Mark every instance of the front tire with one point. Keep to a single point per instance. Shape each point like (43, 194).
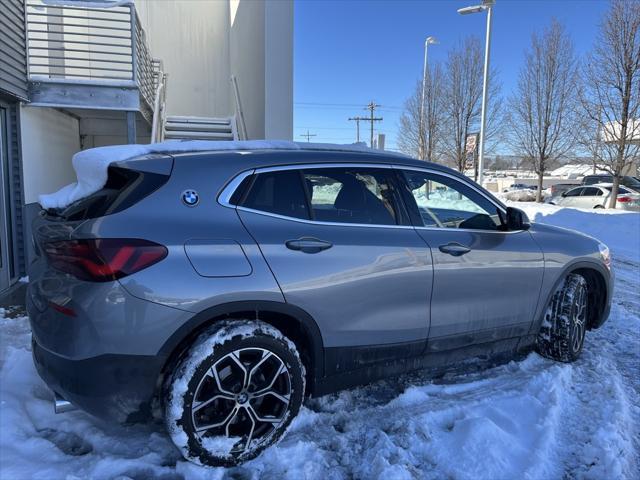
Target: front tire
(234, 393)
(563, 329)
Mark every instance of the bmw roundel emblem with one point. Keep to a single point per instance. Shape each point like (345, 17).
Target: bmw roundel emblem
(190, 198)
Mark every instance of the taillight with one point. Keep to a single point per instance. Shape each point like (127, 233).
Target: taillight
(624, 199)
(104, 259)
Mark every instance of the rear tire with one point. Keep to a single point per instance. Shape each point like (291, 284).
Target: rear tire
(234, 393)
(563, 329)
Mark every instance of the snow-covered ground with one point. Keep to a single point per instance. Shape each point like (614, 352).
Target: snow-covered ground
(532, 419)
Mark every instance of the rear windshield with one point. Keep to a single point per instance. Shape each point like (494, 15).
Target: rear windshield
(124, 188)
(620, 190)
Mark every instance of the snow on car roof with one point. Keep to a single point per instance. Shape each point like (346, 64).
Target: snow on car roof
(91, 165)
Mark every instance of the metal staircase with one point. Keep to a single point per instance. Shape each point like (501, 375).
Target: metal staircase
(200, 128)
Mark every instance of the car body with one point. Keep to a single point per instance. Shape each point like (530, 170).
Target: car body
(519, 186)
(598, 196)
(367, 261)
(628, 181)
(557, 189)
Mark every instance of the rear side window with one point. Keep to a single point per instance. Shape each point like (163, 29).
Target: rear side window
(353, 195)
(279, 192)
(124, 188)
(591, 192)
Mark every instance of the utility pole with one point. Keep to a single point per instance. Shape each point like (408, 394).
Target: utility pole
(308, 135)
(372, 107)
(421, 136)
(357, 120)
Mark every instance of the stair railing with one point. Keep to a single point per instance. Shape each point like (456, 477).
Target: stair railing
(239, 116)
(159, 109)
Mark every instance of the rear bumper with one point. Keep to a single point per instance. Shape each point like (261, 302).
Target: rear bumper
(116, 388)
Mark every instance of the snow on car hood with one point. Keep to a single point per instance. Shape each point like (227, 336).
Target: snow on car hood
(91, 165)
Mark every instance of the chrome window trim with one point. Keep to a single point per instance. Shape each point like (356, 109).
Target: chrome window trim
(227, 192)
(318, 222)
(229, 189)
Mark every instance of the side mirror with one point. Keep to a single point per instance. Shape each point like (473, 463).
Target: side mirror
(563, 194)
(517, 219)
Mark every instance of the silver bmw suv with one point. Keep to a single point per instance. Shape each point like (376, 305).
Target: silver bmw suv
(219, 289)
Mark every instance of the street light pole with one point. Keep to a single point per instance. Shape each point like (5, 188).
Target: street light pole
(488, 6)
(421, 135)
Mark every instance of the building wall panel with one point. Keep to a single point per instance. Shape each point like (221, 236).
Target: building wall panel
(13, 59)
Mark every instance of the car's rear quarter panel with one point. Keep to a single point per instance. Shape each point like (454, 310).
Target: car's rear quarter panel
(164, 218)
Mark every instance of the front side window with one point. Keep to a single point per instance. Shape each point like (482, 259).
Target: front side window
(574, 192)
(448, 203)
(352, 195)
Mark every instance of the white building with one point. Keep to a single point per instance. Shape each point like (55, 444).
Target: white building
(74, 77)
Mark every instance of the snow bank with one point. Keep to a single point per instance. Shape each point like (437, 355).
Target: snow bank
(521, 195)
(91, 165)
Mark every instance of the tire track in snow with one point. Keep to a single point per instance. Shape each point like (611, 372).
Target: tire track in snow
(599, 426)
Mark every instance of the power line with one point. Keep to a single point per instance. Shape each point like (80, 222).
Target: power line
(308, 135)
(341, 105)
(323, 128)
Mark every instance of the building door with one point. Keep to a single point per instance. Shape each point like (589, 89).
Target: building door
(6, 255)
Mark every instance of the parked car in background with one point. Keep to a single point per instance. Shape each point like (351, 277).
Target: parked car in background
(559, 188)
(628, 181)
(598, 196)
(518, 186)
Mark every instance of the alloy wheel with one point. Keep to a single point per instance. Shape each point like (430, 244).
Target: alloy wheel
(244, 396)
(579, 319)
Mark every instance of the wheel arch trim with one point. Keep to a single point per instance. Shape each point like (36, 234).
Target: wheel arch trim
(174, 346)
(570, 268)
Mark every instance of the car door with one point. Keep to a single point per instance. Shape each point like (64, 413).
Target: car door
(572, 197)
(486, 280)
(341, 247)
(590, 197)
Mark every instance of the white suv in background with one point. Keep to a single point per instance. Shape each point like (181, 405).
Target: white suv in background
(597, 196)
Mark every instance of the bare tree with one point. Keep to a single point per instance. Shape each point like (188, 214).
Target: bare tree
(610, 100)
(422, 138)
(462, 100)
(542, 109)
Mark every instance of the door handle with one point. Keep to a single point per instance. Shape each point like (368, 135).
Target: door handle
(308, 245)
(454, 249)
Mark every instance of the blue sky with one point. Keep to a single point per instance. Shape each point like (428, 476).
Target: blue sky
(347, 53)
